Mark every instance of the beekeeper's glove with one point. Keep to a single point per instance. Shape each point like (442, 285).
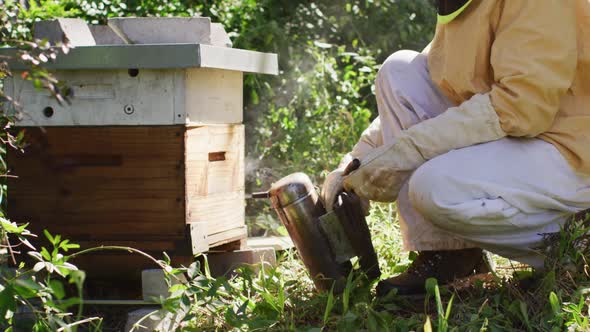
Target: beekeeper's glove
(333, 185)
(384, 170)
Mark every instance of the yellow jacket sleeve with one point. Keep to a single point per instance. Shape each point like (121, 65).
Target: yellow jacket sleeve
(534, 57)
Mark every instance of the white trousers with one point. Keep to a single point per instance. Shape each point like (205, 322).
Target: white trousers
(501, 196)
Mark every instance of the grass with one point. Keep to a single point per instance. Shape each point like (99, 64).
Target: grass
(282, 298)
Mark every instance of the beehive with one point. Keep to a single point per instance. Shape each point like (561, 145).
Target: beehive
(150, 154)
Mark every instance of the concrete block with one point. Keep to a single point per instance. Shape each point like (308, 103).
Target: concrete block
(223, 263)
(149, 324)
(278, 243)
(75, 30)
(154, 285)
(219, 37)
(104, 35)
(160, 30)
(199, 237)
(154, 320)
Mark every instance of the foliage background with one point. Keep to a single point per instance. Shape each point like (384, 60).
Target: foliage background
(304, 120)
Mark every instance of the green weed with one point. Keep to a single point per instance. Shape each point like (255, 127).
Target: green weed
(282, 298)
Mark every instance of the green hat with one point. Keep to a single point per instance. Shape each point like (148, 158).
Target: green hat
(448, 10)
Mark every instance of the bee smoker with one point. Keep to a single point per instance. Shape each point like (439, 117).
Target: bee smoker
(325, 241)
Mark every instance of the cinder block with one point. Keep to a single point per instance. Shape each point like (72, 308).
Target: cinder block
(75, 30)
(219, 37)
(149, 324)
(158, 320)
(278, 243)
(222, 263)
(153, 284)
(104, 35)
(158, 30)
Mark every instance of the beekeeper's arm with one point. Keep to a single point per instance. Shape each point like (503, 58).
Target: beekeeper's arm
(370, 139)
(333, 185)
(534, 61)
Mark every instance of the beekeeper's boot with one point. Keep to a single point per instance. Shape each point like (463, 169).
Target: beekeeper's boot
(444, 265)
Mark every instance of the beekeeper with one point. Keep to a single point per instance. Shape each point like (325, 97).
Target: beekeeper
(483, 138)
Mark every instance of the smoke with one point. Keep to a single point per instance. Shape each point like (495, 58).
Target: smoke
(260, 174)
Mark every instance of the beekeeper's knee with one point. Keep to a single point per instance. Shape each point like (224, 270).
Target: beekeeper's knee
(431, 193)
(391, 75)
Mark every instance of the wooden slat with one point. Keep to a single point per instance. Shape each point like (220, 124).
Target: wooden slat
(101, 183)
(215, 186)
(156, 246)
(278, 243)
(220, 211)
(227, 236)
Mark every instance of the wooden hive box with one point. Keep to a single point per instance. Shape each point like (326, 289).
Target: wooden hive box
(150, 154)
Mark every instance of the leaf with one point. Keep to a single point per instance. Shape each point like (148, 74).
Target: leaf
(346, 293)
(45, 254)
(27, 243)
(448, 313)
(48, 236)
(9, 226)
(427, 325)
(524, 312)
(322, 45)
(282, 230)
(430, 285)
(555, 304)
(7, 302)
(77, 277)
(193, 270)
(39, 266)
(329, 305)
(372, 322)
(70, 302)
(254, 97)
(27, 288)
(177, 288)
(57, 289)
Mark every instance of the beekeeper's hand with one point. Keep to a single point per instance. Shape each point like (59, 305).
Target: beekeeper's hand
(334, 184)
(383, 171)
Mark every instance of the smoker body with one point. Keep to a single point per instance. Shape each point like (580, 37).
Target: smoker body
(299, 207)
(325, 241)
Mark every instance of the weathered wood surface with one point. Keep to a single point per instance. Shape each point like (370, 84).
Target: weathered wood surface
(215, 188)
(101, 183)
(140, 187)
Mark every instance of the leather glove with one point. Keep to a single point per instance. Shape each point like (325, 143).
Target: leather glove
(370, 139)
(334, 184)
(383, 171)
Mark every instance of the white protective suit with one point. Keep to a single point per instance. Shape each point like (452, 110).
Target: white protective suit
(502, 195)
(483, 139)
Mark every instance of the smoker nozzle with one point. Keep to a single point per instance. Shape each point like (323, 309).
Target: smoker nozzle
(258, 195)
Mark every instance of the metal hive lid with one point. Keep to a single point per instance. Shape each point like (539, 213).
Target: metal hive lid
(146, 43)
(157, 56)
